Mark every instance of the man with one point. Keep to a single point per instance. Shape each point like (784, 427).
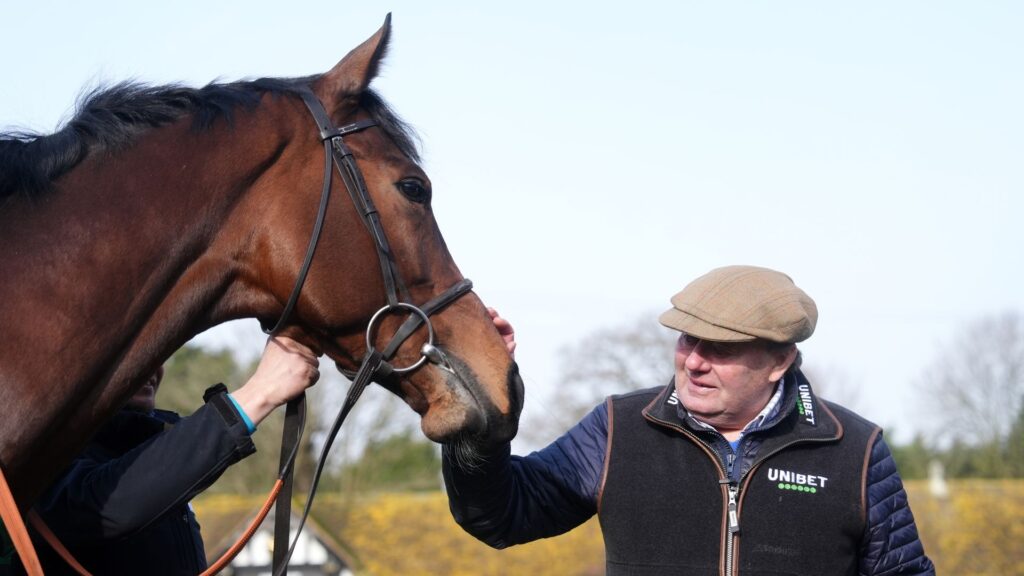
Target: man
(736, 467)
(122, 506)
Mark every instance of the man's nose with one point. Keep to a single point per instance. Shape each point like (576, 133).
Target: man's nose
(696, 360)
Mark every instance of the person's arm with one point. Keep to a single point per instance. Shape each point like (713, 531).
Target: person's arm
(891, 544)
(506, 500)
(286, 369)
(100, 498)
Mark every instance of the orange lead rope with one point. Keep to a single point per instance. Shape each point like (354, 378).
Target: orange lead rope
(253, 526)
(54, 542)
(16, 529)
(15, 525)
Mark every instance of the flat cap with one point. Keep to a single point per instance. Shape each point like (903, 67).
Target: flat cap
(743, 303)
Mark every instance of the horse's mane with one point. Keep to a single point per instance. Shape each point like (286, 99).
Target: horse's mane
(110, 118)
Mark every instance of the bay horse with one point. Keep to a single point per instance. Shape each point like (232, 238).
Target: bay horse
(158, 212)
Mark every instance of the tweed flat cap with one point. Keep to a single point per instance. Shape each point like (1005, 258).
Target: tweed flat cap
(743, 303)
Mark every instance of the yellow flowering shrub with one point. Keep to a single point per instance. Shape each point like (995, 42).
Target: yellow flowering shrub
(977, 530)
(408, 533)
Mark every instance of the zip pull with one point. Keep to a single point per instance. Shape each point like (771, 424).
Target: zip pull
(734, 518)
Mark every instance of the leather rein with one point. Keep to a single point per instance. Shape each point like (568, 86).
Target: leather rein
(374, 365)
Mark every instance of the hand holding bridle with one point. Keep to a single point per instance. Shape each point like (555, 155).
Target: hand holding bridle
(286, 369)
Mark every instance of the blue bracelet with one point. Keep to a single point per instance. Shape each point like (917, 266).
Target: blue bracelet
(245, 417)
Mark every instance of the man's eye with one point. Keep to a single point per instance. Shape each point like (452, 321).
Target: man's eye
(414, 190)
(716, 349)
(688, 342)
(721, 349)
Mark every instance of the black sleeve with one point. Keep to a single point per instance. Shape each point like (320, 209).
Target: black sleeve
(101, 498)
(505, 500)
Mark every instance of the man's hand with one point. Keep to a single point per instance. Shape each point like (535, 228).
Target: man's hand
(285, 371)
(506, 331)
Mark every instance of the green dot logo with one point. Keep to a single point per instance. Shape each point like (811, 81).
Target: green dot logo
(797, 488)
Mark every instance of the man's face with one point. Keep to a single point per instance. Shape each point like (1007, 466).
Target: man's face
(726, 384)
(144, 399)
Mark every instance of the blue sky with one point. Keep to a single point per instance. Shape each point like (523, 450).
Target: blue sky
(589, 161)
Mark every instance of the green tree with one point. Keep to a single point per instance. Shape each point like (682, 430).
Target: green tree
(964, 460)
(912, 459)
(189, 372)
(403, 461)
(1015, 446)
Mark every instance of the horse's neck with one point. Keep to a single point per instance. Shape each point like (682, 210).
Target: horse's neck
(110, 272)
(100, 253)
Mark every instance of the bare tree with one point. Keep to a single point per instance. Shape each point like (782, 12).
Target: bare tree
(834, 383)
(976, 383)
(614, 360)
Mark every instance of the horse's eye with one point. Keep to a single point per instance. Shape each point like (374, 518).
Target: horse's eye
(414, 190)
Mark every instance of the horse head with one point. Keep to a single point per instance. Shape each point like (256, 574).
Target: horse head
(471, 390)
(159, 212)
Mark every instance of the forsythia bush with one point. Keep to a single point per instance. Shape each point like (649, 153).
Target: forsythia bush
(408, 534)
(977, 530)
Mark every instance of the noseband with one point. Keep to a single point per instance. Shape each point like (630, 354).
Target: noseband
(375, 363)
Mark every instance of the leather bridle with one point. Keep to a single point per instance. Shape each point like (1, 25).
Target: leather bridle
(375, 364)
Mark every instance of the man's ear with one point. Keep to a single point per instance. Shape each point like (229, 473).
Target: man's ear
(784, 358)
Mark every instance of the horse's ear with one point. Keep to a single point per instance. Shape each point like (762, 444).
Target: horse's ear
(353, 74)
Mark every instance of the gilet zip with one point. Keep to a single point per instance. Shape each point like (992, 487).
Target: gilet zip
(733, 493)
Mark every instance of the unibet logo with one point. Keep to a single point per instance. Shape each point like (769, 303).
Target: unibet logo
(672, 399)
(797, 482)
(805, 405)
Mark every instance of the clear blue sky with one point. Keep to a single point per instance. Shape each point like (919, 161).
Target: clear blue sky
(589, 161)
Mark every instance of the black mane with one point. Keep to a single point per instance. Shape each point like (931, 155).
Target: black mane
(110, 118)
